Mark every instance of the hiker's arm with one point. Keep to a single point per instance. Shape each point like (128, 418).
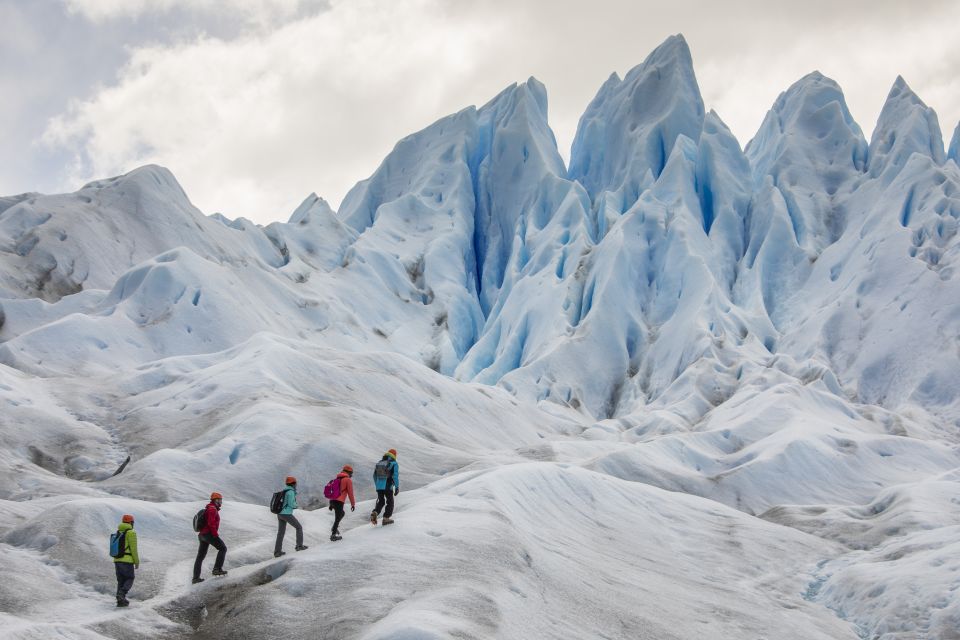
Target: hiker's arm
(132, 544)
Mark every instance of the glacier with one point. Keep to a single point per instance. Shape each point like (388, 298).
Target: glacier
(679, 388)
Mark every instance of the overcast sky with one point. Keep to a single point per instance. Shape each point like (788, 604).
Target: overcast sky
(253, 104)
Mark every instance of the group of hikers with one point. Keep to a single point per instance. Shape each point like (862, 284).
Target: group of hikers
(386, 479)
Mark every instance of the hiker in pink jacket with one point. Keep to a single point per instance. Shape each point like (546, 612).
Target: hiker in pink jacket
(346, 491)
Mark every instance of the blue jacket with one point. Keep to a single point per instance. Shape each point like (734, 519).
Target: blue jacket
(289, 501)
(392, 479)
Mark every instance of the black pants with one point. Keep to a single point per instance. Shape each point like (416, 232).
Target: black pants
(337, 507)
(124, 578)
(283, 519)
(384, 495)
(206, 541)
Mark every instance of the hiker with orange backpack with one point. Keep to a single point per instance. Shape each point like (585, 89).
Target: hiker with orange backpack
(386, 478)
(209, 536)
(285, 516)
(338, 490)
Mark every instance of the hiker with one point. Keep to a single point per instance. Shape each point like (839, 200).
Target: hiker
(129, 560)
(286, 517)
(386, 476)
(209, 536)
(336, 505)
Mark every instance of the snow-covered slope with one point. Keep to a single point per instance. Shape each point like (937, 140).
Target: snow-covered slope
(58, 245)
(679, 389)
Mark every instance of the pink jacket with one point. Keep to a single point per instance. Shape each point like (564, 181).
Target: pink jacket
(346, 489)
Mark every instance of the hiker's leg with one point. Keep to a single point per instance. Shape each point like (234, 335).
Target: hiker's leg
(338, 516)
(389, 511)
(124, 578)
(282, 528)
(221, 548)
(201, 554)
(381, 498)
(296, 525)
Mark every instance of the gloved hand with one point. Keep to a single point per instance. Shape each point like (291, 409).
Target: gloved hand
(353, 508)
(330, 507)
(396, 491)
(136, 566)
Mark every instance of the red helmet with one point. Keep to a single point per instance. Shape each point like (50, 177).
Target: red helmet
(348, 468)
(216, 496)
(127, 518)
(291, 480)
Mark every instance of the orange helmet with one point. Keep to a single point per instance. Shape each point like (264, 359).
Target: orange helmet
(291, 480)
(127, 518)
(348, 468)
(216, 496)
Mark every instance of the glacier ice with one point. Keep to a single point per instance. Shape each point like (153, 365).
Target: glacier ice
(906, 126)
(712, 387)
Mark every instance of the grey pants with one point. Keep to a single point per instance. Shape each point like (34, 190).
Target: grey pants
(125, 577)
(283, 519)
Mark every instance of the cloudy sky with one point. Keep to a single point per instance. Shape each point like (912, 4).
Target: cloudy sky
(253, 104)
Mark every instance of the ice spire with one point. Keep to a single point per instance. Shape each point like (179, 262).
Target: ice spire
(954, 151)
(314, 236)
(445, 208)
(809, 147)
(629, 129)
(515, 152)
(906, 126)
(808, 124)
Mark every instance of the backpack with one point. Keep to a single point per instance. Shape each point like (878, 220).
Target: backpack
(276, 502)
(118, 544)
(200, 519)
(383, 471)
(332, 490)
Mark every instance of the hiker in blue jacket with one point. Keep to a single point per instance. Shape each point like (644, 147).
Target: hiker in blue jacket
(386, 478)
(286, 517)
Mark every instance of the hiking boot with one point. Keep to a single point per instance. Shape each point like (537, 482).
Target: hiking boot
(197, 580)
(335, 536)
(388, 520)
(122, 602)
(302, 547)
(373, 517)
(277, 554)
(219, 572)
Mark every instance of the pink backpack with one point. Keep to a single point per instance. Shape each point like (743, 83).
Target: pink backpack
(332, 490)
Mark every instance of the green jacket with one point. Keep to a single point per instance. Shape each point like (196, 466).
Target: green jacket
(289, 501)
(130, 543)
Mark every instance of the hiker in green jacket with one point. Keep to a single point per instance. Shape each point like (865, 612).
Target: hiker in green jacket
(126, 563)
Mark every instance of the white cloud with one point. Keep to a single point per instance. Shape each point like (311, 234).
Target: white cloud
(252, 125)
(254, 11)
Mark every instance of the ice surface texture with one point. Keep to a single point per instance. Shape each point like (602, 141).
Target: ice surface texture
(678, 389)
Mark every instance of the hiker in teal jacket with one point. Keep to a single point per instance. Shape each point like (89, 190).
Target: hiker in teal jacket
(289, 498)
(286, 517)
(125, 564)
(386, 480)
